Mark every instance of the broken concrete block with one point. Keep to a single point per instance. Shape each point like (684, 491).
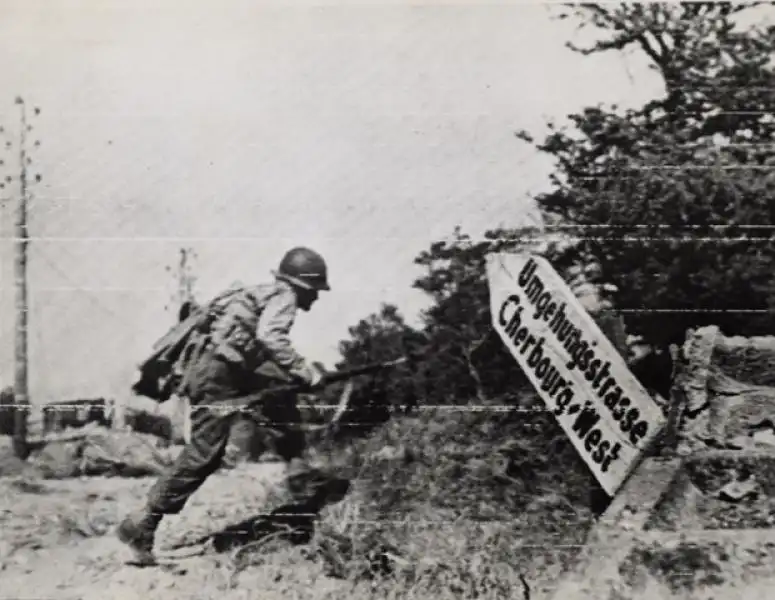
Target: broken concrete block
(748, 360)
(719, 409)
(765, 437)
(739, 491)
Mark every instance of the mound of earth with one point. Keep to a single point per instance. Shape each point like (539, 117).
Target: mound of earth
(440, 493)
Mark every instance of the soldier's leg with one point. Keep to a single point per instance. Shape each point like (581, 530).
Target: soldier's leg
(210, 381)
(243, 441)
(197, 461)
(310, 486)
(246, 440)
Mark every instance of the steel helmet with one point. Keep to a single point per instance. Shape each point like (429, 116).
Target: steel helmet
(305, 268)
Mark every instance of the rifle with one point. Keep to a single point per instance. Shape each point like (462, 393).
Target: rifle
(368, 369)
(245, 403)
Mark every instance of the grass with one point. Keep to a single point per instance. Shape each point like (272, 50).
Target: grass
(683, 568)
(465, 504)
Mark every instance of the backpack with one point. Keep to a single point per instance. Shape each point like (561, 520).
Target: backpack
(160, 374)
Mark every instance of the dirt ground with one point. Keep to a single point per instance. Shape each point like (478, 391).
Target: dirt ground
(58, 539)
(58, 542)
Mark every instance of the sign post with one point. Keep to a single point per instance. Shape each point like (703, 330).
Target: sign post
(608, 416)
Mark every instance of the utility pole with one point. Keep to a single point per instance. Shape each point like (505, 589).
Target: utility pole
(21, 304)
(185, 279)
(180, 407)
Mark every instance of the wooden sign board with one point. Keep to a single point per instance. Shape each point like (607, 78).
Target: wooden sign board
(585, 383)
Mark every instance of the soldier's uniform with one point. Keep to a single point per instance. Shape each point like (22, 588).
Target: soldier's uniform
(584, 281)
(246, 349)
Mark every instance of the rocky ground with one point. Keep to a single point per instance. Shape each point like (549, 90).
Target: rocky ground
(57, 542)
(462, 512)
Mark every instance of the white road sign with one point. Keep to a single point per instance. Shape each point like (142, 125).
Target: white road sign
(583, 380)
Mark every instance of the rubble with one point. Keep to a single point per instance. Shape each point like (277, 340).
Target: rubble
(725, 403)
(698, 520)
(96, 450)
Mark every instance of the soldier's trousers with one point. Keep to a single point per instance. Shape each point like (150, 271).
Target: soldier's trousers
(211, 382)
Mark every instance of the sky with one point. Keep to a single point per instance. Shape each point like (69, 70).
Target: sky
(365, 130)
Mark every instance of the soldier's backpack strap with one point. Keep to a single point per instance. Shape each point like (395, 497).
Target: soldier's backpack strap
(157, 375)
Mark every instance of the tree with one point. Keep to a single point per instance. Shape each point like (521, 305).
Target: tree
(381, 337)
(465, 359)
(675, 199)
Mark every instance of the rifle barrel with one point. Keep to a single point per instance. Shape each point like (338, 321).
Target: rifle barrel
(362, 370)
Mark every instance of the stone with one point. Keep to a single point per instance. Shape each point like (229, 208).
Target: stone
(739, 491)
(748, 360)
(724, 403)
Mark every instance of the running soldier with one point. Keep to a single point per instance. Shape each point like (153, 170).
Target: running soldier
(245, 348)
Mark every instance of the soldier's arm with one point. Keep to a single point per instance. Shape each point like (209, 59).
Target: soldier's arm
(273, 331)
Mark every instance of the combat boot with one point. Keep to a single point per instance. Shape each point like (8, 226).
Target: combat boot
(138, 531)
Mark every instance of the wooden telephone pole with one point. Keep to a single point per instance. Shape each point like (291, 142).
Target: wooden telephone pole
(21, 304)
(21, 374)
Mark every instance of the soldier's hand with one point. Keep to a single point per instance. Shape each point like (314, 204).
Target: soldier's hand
(317, 376)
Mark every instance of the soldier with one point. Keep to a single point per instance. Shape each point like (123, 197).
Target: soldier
(585, 281)
(245, 348)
